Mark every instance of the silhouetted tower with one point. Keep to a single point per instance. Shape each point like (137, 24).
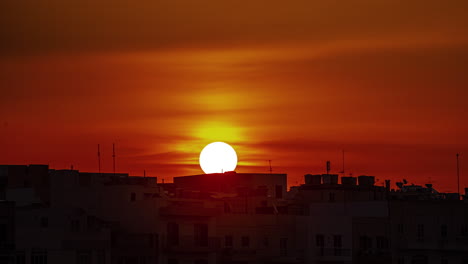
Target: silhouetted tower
(328, 167)
(99, 157)
(113, 157)
(343, 170)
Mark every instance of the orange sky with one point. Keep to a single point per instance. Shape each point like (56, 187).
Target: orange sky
(293, 82)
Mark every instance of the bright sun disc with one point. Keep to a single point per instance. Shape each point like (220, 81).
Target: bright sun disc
(218, 157)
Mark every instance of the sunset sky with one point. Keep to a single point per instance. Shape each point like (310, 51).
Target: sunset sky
(294, 82)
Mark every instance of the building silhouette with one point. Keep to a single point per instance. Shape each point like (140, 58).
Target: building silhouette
(67, 216)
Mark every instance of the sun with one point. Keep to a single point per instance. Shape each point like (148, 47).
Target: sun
(218, 157)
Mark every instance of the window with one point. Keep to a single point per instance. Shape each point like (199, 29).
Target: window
(173, 234)
(283, 246)
(420, 232)
(228, 241)
(44, 222)
(419, 259)
(464, 230)
(337, 245)
(401, 260)
(101, 256)
(245, 241)
(3, 234)
(331, 197)
(75, 225)
(132, 197)
(443, 261)
(400, 229)
(320, 241)
(20, 258)
(337, 241)
(381, 242)
(172, 261)
(39, 257)
(443, 231)
(365, 242)
(201, 235)
(201, 261)
(279, 191)
(83, 257)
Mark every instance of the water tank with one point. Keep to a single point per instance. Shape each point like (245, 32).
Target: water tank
(348, 180)
(313, 179)
(330, 178)
(366, 180)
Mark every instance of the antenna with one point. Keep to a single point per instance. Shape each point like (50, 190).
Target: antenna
(343, 171)
(269, 162)
(458, 176)
(328, 167)
(343, 162)
(99, 157)
(144, 173)
(113, 156)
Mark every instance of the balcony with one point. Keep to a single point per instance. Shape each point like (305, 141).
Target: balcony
(188, 244)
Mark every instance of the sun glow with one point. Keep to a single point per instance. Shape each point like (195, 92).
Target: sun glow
(218, 157)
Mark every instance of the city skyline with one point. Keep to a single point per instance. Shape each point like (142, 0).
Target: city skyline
(295, 84)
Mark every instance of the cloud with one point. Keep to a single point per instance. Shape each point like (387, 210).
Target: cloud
(57, 26)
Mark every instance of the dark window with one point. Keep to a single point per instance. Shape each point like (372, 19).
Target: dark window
(75, 225)
(401, 260)
(337, 241)
(228, 241)
(331, 197)
(101, 256)
(419, 259)
(132, 197)
(279, 191)
(151, 240)
(444, 261)
(173, 234)
(201, 261)
(365, 242)
(443, 231)
(337, 245)
(172, 261)
(381, 242)
(20, 258)
(283, 246)
(464, 230)
(400, 229)
(245, 241)
(201, 235)
(83, 257)
(420, 231)
(44, 222)
(39, 257)
(3, 234)
(320, 241)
